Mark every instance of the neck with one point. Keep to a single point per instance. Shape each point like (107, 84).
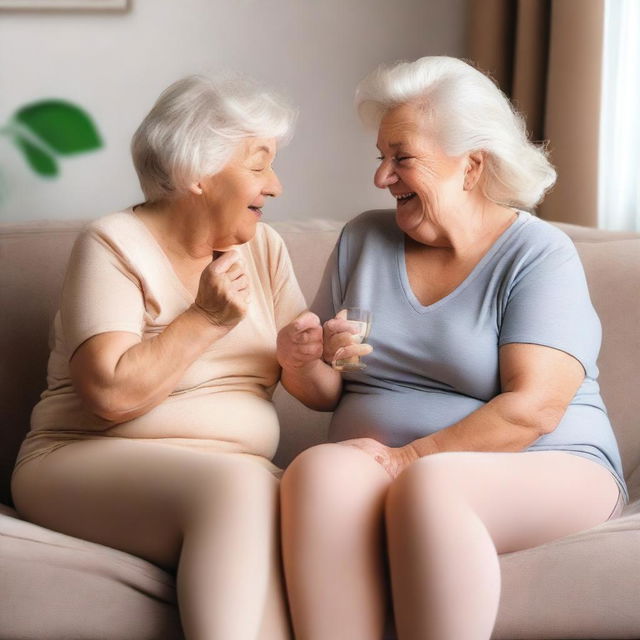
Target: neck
(472, 229)
(183, 227)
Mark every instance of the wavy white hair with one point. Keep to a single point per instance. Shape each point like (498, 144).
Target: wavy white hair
(466, 112)
(195, 125)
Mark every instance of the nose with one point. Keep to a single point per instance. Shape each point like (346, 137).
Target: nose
(273, 187)
(385, 175)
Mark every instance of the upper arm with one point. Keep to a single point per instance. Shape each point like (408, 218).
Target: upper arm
(544, 379)
(93, 364)
(102, 313)
(549, 334)
(548, 304)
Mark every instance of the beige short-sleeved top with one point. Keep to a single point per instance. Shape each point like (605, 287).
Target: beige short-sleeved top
(119, 279)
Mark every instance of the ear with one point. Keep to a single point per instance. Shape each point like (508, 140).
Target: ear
(196, 188)
(473, 169)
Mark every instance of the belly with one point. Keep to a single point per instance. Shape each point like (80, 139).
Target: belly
(240, 422)
(396, 418)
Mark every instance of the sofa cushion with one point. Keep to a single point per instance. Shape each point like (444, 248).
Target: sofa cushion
(582, 586)
(62, 579)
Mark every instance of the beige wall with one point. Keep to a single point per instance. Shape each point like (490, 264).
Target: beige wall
(116, 65)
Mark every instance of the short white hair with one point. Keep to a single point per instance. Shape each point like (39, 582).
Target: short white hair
(195, 125)
(466, 112)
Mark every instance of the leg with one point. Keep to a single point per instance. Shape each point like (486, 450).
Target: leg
(332, 506)
(214, 517)
(450, 515)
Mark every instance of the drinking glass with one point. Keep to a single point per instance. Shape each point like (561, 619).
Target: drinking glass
(361, 320)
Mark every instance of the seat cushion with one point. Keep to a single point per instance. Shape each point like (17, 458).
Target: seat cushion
(62, 588)
(582, 586)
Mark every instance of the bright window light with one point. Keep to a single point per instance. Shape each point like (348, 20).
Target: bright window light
(619, 160)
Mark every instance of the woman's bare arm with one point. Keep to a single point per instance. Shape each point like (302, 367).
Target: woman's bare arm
(538, 383)
(120, 377)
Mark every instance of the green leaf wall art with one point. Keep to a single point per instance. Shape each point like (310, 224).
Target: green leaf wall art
(44, 130)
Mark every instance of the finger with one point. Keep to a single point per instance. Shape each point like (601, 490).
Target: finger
(223, 263)
(241, 283)
(310, 350)
(338, 325)
(353, 350)
(306, 320)
(342, 314)
(308, 336)
(235, 271)
(338, 340)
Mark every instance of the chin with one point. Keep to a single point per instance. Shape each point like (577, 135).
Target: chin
(409, 220)
(245, 235)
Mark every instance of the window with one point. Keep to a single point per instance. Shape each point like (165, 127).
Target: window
(619, 158)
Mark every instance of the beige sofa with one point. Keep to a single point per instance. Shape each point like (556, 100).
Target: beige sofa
(53, 586)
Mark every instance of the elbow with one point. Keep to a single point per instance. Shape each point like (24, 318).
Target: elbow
(544, 419)
(548, 419)
(106, 407)
(541, 416)
(108, 414)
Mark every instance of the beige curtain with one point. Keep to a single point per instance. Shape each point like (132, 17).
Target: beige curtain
(546, 56)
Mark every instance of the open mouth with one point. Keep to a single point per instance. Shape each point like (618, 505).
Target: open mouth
(257, 211)
(403, 198)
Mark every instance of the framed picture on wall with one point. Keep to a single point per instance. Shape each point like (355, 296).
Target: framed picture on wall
(54, 5)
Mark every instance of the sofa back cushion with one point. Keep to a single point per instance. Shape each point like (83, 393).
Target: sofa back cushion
(33, 258)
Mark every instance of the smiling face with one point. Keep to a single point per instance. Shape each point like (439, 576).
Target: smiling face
(235, 195)
(429, 186)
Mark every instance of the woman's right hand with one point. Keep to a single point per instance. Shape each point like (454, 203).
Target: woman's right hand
(341, 334)
(300, 342)
(223, 293)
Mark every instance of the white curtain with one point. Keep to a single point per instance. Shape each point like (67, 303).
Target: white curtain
(619, 156)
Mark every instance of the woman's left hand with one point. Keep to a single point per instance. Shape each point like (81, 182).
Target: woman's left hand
(394, 460)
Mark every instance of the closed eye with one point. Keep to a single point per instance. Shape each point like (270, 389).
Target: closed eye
(396, 158)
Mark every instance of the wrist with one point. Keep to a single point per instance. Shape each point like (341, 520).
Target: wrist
(302, 368)
(423, 447)
(204, 320)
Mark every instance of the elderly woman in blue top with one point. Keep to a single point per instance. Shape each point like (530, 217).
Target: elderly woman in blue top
(477, 427)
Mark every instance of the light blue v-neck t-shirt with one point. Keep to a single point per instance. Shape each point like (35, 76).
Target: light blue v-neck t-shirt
(433, 365)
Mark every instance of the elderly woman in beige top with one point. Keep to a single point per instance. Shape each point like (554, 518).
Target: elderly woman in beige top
(156, 431)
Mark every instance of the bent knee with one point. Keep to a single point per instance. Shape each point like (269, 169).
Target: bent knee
(426, 481)
(330, 460)
(332, 472)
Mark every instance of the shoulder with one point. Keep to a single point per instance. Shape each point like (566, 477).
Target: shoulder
(370, 229)
(535, 233)
(374, 221)
(113, 229)
(113, 223)
(120, 238)
(537, 241)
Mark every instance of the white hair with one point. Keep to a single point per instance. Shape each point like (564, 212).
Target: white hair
(195, 125)
(466, 112)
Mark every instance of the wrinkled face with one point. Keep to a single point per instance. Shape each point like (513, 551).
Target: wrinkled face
(426, 183)
(236, 194)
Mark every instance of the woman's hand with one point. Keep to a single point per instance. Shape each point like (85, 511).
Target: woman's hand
(223, 292)
(394, 460)
(300, 342)
(339, 333)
